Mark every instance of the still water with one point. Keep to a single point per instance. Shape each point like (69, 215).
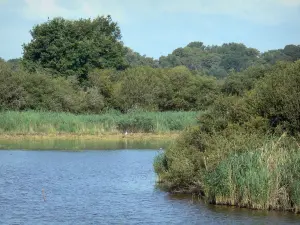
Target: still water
(103, 187)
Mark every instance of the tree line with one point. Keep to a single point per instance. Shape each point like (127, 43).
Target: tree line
(82, 66)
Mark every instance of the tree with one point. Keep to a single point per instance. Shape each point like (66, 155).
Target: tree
(134, 59)
(139, 87)
(14, 63)
(20, 90)
(292, 51)
(196, 44)
(73, 48)
(273, 56)
(12, 93)
(277, 96)
(237, 56)
(212, 60)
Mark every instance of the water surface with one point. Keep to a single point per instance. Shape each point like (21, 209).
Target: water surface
(103, 187)
(83, 144)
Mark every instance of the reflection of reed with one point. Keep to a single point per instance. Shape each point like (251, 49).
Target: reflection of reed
(44, 196)
(90, 144)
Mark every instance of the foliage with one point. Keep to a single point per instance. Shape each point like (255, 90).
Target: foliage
(277, 97)
(21, 90)
(138, 87)
(245, 149)
(134, 59)
(12, 93)
(241, 82)
(213, 60)
(15, 64)
(73, 48)
(163, 89)
(134, 88)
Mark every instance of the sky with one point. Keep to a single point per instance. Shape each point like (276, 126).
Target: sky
(157, 27)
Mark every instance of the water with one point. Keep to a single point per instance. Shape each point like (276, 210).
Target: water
(82, 144)
(103, 187)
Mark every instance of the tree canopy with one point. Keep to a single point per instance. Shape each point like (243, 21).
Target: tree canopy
(74, 47)
(213, 60)
(82, 66)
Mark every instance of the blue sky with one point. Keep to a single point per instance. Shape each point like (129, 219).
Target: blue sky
(157, 27)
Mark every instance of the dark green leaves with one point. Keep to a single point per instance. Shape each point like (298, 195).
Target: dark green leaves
(73, 48)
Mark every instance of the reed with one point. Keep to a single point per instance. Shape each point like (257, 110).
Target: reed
(264, 178)
(36, 122)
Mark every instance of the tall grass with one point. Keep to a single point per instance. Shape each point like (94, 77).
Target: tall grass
(265, 178)
(33, 122)
(262, 175)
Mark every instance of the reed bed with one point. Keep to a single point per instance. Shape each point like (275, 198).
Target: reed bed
(264, 178)
(35, 122)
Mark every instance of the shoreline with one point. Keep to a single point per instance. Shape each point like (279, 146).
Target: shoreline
(104, 136)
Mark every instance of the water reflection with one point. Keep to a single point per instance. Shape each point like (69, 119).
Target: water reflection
(235, 214)
(83, 144)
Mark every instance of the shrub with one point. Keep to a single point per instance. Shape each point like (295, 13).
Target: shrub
(277, 97)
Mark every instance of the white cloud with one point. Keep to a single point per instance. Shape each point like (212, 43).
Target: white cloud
(260, 11)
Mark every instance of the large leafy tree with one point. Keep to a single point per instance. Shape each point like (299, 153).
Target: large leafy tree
(74, 47)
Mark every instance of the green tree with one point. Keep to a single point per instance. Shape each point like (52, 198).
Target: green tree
(12, 93)
(15, 64)
(292, 51)
(273, 56)
(212, 60)
(103, 81)
(240, 83)
(237, 56)
(139, 87)
(134, 59)
(187, 90)
(20, 90)
(73, 48)
(277, 96)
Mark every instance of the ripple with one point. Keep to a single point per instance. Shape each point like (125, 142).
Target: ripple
(103, 187)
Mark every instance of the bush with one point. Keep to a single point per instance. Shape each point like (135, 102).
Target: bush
(277, 97)
(12, 93)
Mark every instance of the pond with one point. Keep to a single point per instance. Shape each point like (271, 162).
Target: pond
(103, 187)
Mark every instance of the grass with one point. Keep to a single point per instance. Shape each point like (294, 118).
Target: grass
(264, 178)
(53, 123)
(261, 176)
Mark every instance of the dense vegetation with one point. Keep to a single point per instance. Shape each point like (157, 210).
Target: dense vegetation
(245, 149)
(134, 88)
(219, 61)
(82, 66)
